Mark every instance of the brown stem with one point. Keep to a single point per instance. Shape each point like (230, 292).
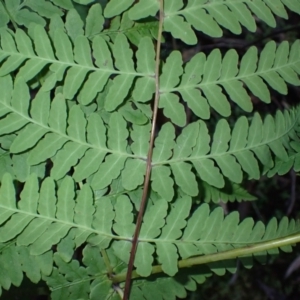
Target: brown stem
(149, 160)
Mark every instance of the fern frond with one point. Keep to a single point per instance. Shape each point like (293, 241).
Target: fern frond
(134, 31)
(49, 130)
(68, 220)
(205, 79)
(16, 260)
(88, 281)
(209, 17)
(230, 153)
(217, 234)
(41, 212)
(230, 193)
(83, 144)
(82, 76)
(282, 167)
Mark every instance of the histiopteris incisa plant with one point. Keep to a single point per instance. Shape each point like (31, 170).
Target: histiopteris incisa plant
(116, 150)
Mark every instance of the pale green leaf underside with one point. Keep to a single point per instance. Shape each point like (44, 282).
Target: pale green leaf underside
(83, 78)
(211, 81)
(177, 233)
(209, 17)
(92, 148)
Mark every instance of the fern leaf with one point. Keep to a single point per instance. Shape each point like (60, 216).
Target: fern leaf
(249, 146)
(175, 221)
(162, 183)
(34, 218)
(216, 73)
(173, 109)
(104, 208)
(29, 137)
(120, 88)
(77, 123)
(90, 282)
(134, 31)
(84, 138)
(140, 136)
(4, 16)
(35, 266)
(89, 164)
(64, 160)
(7, 194)
(94, 20)
(114, 7)
(111, 167)
(162, 151)
(82, 77)
(124, 217)
(74, 24)
(133, 174)
(143, 9)
(146, 56)
(44, 8)
(117, 133)
(65, 207)
(46, 148)
(153, 221)
(179, 28)
(123, 54)
(144, 259)
(172, 69)
(10, 262)
(203, 16)
(81, 49)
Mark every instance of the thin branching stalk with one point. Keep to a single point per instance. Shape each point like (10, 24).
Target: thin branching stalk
(149, 159)
(221, 256)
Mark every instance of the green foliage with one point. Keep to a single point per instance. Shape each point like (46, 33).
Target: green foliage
(77, 81)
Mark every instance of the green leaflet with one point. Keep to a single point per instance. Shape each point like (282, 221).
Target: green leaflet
(164, 143)
(134, 31)
(174, 223)
(66, 135)
(231, 192)
(9, 258)
(82, 144)
(143, 9)
(124, 217)
(3, 16)
(91, 282)
(41, 212)
(162, 183)
(133, 174)
(115, 7)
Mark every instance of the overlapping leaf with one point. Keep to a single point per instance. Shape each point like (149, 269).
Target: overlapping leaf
(28, 12)
(230, 193)
(16, 260)
(208, 82)
(181, 235)
(71, 138)
(72, 63)
(134, 31)
(209, 17)
(43, 218)
(229, 153)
